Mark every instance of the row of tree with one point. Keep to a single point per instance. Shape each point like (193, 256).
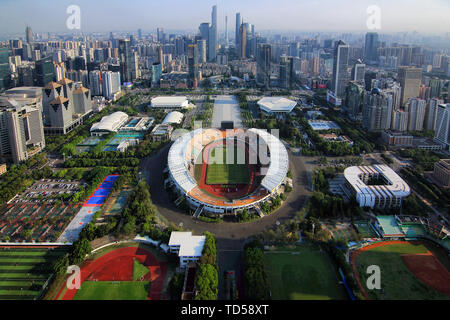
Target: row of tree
(255, 277)
(207, 279)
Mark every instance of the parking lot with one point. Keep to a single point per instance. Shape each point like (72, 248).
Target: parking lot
(48, 190)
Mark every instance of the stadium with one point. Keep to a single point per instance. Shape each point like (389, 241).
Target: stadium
(224, 171)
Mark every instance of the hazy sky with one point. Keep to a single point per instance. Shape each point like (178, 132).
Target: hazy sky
(425, 16)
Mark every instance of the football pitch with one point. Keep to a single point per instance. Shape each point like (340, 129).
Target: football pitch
(109, 290)
(223, 173)
(302, 273)
(398, 282)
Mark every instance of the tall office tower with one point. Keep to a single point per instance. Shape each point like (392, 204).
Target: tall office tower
(340, 65)
(29, 34)
(21, 131)
(212, 45)
(354, 100)
(377, 111)
(358, 72)
(370, 48)
(140, 34)
(201, 48)
(45, 72)
(160, 56)
(126, 60)
(160, 35)
(5, 70)
(243, 41)
(431, 113)
(399, 120)
(110, 84)
(95, 83)
(60, 71)
(416, 110)
(436, 86)
(82, 103)
(442, 133)
(238, 25)
(192, 66)
(314, 66)
(156, 74)
(263, 65)
(286, 72)
(204, 31)
(410, 79)
(226, 31)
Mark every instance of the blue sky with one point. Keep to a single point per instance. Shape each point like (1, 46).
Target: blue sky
(425, 16)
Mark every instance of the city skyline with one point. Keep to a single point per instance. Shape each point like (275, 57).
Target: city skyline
(323, 16)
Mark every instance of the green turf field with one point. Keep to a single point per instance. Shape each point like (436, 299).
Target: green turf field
(107, 290)
(223, 173)
(303, 273)
(23, 271)
(139, 270)
(397, 282)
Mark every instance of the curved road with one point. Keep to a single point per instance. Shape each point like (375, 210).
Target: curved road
(152, 169)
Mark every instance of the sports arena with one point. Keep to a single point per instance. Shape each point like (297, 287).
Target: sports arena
(223, 171)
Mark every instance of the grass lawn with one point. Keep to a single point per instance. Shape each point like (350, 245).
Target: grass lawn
(24, 271)
(302, 273)
(106, 290)
(223, 173)
(139, 270)
(397, 282)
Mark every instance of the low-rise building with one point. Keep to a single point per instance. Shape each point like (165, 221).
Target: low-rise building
(108, 124)
(161, 132)
(2, 169)
(397, 139)
(188, 247)
(170, 102)
(441, 173)
(276, 105)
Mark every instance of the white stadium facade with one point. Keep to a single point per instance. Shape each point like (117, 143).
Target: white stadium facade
(109, 124)
(276, 105)
(376, 186)
(188, 148)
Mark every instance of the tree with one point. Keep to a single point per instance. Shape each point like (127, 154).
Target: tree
(207, 282)
(80, 249)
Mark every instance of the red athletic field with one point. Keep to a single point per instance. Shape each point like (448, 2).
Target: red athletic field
(117, 265)
(234, 191)
(424, 266)
(428, 269)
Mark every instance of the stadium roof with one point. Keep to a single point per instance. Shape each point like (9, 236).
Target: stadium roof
(279, 160)
(396, 185)
(170, 102)
(276, 104)
(190, 245)
(173, 117)
(177, 161)
(111, 122)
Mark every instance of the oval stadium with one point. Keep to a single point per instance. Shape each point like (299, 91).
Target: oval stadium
(223, 171)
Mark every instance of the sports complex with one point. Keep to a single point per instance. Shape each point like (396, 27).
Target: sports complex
(222, 171)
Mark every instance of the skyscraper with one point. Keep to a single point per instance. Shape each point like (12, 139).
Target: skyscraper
(442, 133)
(243, 41)
(45, 72)
(192, 65)
(127, 61)
(340, 65)
(416, 109)
(238, 25)
(201, 49)
(212, 50)
(226, 30)
(377, 111)
(263, 65)
(29, 34)
(358, 72)
(5, 71)
(410, 79)
(370, 48)
(286, 72)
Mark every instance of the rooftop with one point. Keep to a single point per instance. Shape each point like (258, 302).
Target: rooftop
(190, 245)
(277, 104)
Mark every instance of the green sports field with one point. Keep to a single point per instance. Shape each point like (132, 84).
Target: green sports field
(107, 290)
(397, 281)
(24, 271)
(302, 273)
(223, 173)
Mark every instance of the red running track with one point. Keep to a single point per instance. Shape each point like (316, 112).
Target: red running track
(117, 265)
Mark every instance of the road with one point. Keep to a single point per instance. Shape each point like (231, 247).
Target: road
(226, 108)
